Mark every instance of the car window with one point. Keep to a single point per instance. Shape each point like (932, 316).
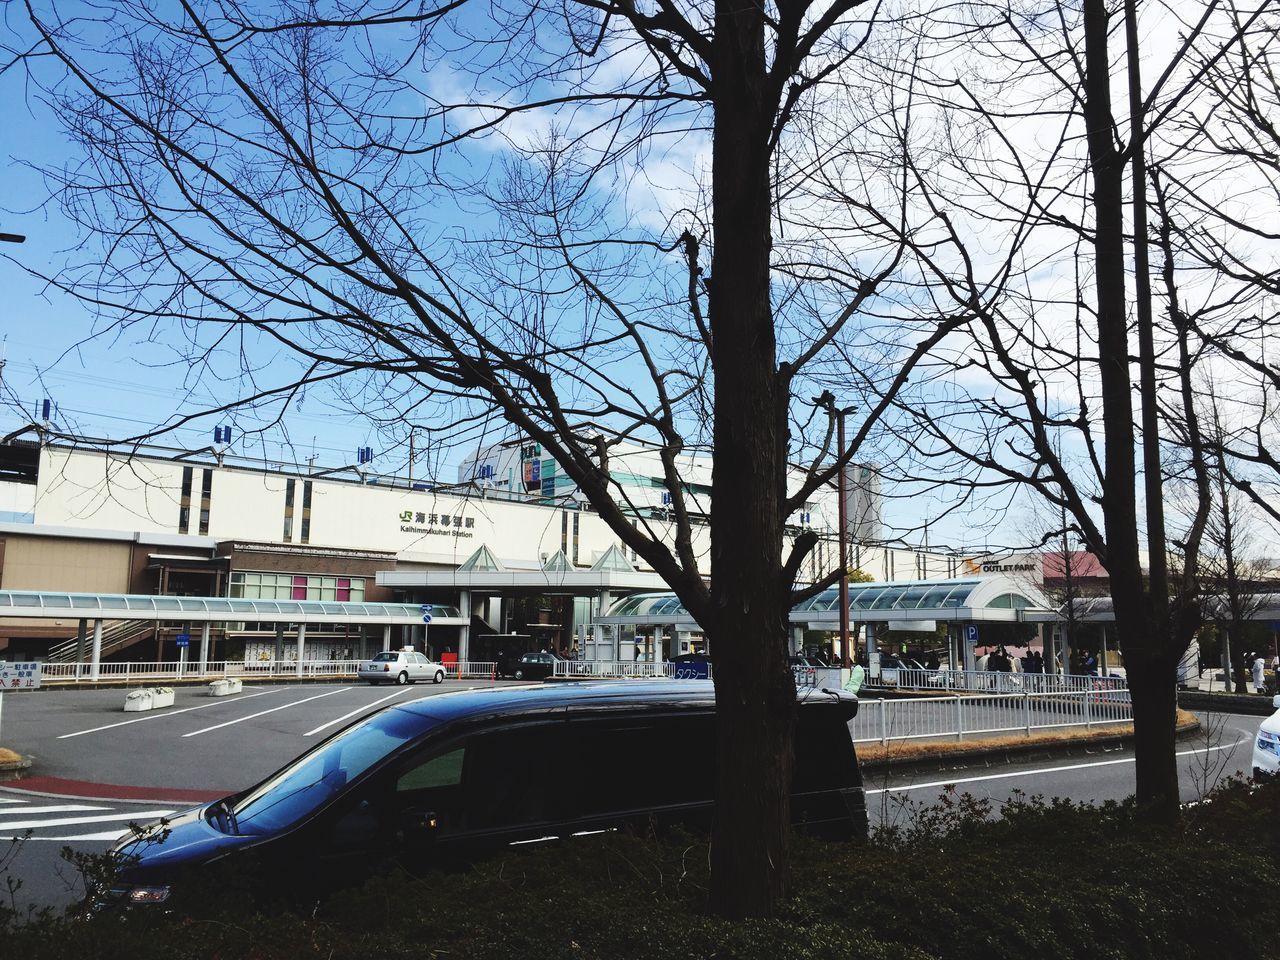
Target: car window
(442, 771)
(386, 656)
(510, 775)
(640, 764)
(321, 774)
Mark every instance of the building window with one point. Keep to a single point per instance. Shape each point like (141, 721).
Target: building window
(575, 539)
(295, 586)
(184, 507)
(288, 509)
(306, 512)
(206, 495)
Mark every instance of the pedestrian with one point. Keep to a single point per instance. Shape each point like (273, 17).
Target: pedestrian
(984, 663)
(856, 677)
(932, 662)
(1259, 667)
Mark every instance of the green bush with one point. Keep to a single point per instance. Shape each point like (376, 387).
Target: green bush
(1043, 880)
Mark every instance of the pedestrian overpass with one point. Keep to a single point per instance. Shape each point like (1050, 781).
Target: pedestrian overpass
(293, 616)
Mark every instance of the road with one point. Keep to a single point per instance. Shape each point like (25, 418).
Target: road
(106, 768)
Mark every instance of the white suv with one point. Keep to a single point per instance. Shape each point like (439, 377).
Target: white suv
(1266, 749)
(400, 667)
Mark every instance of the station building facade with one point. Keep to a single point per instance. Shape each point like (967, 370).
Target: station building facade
(535, 567)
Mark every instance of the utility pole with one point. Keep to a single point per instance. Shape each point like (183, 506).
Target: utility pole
(843, 521)
(410, 458)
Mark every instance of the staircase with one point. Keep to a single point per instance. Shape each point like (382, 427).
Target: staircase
(116, 635)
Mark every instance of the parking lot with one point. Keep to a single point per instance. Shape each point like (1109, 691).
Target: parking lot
(200, 745)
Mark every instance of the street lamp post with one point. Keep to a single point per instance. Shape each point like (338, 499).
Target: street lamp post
(843, 521)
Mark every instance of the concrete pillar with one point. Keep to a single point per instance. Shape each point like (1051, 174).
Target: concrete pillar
(302, 644)
(80, 639)
(96, 662)
(464, 633)
(204, 647)
(278, 655)
(386, 637)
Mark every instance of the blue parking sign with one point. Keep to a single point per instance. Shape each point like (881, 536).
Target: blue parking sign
(971, 632)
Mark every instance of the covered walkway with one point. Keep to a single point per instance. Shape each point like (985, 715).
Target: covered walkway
(205, 611)
(657, 624)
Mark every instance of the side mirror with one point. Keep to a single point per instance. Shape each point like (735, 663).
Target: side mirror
(418, 824)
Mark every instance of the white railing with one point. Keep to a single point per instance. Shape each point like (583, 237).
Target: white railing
(989, 681)
(960, 716)
(628, 669)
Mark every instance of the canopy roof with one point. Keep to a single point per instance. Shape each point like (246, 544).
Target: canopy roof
(123, 606)
(972, 598)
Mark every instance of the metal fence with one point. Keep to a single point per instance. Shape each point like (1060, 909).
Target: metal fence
(628, 669)
(266, 669)
(973, 714)
(987, 681)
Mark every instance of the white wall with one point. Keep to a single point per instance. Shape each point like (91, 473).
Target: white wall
(93, 490)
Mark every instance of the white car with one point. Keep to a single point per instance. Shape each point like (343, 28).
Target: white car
(1266, 749)
(400, 667)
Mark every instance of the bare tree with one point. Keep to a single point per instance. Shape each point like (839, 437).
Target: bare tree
(450, 216)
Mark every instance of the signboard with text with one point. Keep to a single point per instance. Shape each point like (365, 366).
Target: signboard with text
(19, 675)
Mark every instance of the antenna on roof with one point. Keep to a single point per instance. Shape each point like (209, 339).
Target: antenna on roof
(221, 441)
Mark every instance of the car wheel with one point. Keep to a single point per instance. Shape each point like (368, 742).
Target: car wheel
(402, 678)
(519, 674)
(439, 676)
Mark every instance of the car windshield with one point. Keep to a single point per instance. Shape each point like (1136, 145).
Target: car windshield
(321, 774)
(386, 655)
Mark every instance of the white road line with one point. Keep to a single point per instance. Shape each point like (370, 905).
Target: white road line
(352, 713)
(263, 713)
(60, 808)
(109, 835)
(169, 713)
(15, 801)
(1043, 770)
(136, 815)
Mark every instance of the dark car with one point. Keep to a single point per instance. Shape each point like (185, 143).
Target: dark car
(535, 666)
(445, 779)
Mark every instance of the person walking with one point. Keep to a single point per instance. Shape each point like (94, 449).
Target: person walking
(856, 676)
(1259, 668)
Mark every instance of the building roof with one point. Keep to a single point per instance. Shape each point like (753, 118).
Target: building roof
(121, 606)
(966, 599)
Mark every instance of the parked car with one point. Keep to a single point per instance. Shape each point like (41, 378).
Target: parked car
(535, 666)
(1266, 749)
(443, 780)
(400, 667)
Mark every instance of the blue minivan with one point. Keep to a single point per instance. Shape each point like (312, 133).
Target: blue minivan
(447, 778)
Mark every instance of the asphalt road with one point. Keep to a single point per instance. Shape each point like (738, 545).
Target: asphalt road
(155, 763)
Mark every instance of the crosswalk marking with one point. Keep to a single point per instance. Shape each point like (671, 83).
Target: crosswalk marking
(140, 815)
(58, 808)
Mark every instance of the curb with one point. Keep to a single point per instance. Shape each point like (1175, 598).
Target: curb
(1013, 752)
(1248, 704)
(84, 790)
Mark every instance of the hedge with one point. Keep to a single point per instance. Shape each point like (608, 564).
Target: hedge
(1043, 880)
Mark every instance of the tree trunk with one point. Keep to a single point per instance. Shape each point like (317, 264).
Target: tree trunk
(1142, 639)
(755, 692)
(1153, 690)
